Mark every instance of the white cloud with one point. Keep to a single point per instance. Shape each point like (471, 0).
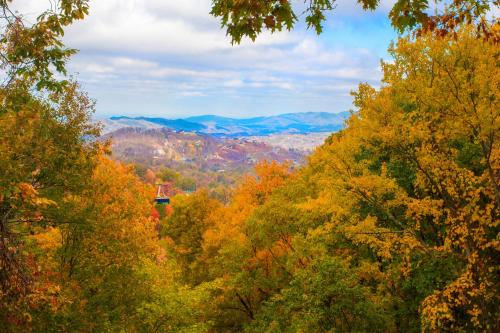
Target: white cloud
(155, 26)
(235, 83)
(164, 49)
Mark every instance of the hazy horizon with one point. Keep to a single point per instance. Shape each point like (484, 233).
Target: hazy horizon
(97, 117)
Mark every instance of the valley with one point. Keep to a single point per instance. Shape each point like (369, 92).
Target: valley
(212, 150)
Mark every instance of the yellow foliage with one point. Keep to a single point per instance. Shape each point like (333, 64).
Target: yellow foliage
(50, 239)
(416, 171)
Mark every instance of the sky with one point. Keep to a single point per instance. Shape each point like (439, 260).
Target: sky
(170, 58)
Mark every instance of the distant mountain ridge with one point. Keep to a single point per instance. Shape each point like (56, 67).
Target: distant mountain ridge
(299, 123)
(204, 152)
(174, 124)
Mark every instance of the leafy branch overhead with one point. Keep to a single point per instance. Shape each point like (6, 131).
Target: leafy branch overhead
(249, 18)
(35, 52)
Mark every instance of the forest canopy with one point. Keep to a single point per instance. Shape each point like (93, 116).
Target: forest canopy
(391, 226)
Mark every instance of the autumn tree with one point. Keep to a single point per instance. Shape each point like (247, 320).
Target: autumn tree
(185, 226)
(38, 140)
(230, 254)
(105, 247)
(411, 185)
(47, 143)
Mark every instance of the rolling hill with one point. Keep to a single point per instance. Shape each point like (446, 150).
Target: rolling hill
(292, 123)
(165, 147)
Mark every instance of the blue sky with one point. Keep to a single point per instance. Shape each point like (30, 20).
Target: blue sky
(170, 58)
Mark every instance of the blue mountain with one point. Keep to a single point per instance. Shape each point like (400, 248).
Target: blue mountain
(175, 124)
(306, 122)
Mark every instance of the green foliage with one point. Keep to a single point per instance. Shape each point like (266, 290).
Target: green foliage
(169, 175)
(171, 306)
(324, 297)
(186, 184)
(140, 170)
(185, 227)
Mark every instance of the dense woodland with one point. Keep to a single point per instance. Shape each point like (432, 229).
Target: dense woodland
(391, 226)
